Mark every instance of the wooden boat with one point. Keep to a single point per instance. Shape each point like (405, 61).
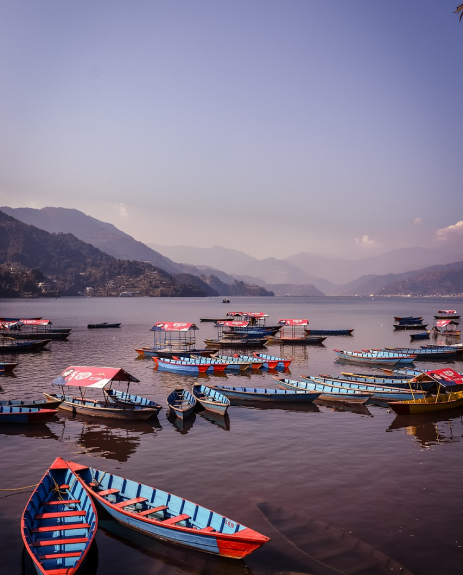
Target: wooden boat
(446, 327)
(366, 357)
(213, 319)
(379, 392)
(308, 340)
(329, 331)
(182, 403)
(273, 362)
(36, 403)
(421, 335)
(241, 362)
(126, 398)
(425, 353)
(104, 325)
(190, 365)
(59, 523)
(9, 366)
(149, 352)
(326, 392)
(19, 414)
(447, 314)
(86, 377)
(33, 329)
(265, 394)
(12, 346)
(211, 399)
(402, 326)
(397, 380)
(429, 404)
(237, 343)
(410, 319)
(166, 516)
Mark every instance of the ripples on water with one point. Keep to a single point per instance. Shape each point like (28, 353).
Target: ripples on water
(393, 482)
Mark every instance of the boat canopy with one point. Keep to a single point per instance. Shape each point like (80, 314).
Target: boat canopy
(446, 377)
(444, 322)
(293, 321)
(233, 313)
(99, 377)
(447, 311)
(232, 323)
(11, 324)
(35, 321)
(173, 326)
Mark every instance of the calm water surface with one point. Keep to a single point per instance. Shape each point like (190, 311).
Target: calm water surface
(394, 483)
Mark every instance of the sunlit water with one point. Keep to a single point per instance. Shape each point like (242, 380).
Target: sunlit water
(394, 483)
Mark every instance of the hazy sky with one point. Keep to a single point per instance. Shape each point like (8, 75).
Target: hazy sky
(273, 127)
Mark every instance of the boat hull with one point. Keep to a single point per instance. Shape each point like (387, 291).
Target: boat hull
(429, 404)
(311, 340)
(326, 394)
(211, 399)
(23, 346)
(25, 415)
(103, 325)
(96, 409)
(267, 395)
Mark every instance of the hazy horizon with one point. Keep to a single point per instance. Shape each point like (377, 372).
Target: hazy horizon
(264, 127)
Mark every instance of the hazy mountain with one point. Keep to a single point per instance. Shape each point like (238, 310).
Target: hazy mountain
(72, 265)
(102, 235)
(341, 271)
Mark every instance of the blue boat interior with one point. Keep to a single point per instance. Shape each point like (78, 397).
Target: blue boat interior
(59, 521)
(202, 392)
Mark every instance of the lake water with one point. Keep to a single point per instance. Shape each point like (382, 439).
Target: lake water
(393, 483)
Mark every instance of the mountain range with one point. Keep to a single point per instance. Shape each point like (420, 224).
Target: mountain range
(232, 272)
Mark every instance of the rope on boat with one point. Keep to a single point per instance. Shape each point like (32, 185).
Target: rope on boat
(19, 488)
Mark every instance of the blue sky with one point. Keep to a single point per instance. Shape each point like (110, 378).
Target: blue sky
(271, 127)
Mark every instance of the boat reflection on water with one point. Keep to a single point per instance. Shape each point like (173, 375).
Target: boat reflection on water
(116, 440)
(285, 406)
(321, 548)
(32, 430)
(183, 426)
(166, 554)
(432, 428)
(222, 421)
(90, 566)
(339, 406)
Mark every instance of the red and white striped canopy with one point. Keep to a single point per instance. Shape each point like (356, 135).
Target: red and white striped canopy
(86, 376)
(232, 323)
(293, 321)
(173, 326)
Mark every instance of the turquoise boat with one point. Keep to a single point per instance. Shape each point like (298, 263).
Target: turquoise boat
(211, 399)
(327, 392)
(265, 394)
(181, 403)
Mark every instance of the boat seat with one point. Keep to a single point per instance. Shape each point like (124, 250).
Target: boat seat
(130, 502)
(177, 519)
(64, 486)
(152, 510)
(108, 492)
(60, 514)
(208, 529)
(61, 571)
(60, 555)
(70, 540)
(61, 502)
(63, 527)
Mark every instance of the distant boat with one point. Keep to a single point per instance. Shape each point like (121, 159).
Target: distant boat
(421, 335)
(447, 314)
(10, 346)
(402, 326)
(59, 522)
(329, 331)
(103, 325)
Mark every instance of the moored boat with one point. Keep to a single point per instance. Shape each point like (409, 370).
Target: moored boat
(8, 366)
(411, 326)
(374, 358)
(33, 329)
(126, 398)
(86, 377)
(421, 335)
(273, 362)
(238, 342)
(165, 516)
(327, 392)
(13, 346)
(447, 314)
(36, 403)
(59, 523)
(446, 327)
(181, 402)
(265, 394)
(104, 325)
(423, 353)
(410, 319)
(19, 414)
(329, 331)
(211, 399)
(193, 365)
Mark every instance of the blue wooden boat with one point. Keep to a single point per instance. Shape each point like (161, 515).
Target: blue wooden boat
(403, 326)
(189, 365)
(18, 414)
(425, 353)
(8, 366)
(223, 362)
(329, 331)
(165, 516)
(398, 380)
(104, 325)
(21, 346)
(238, 342)
(366, 357)
(126, 398)
(236, 361)
(182, 403)
(211, 399)
(265, 394)
(379, 392)
(409, 320)
(149, 352)
(36, 403)
(327, 392)
(273, 362)
(420, 335)
(59, 523)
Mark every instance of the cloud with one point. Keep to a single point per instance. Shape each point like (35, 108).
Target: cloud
(123, 211)
(366, 242)
(456, 230)
(417, 221)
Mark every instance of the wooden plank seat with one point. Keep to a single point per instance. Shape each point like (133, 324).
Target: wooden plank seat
(130, 502)
(60, 514)
(108, 492)
(60, 555)
(152, 510)
(61, 571)
(64, 486)
(67, 540)
(62, 502)
(176, 519)
(62, 527)
(208, 529)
